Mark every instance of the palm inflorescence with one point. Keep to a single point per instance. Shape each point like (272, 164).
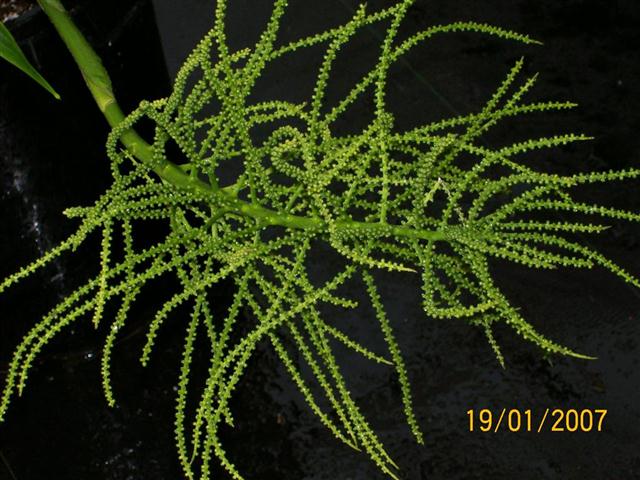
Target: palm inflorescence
(432, 201)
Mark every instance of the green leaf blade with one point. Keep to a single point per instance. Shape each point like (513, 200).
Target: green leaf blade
(11, 52)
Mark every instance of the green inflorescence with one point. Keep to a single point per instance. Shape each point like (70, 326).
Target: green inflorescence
(433, 201)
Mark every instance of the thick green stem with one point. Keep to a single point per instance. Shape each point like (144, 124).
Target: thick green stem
(99, 83)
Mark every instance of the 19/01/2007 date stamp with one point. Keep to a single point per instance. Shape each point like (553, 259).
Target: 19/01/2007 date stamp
(552, 419)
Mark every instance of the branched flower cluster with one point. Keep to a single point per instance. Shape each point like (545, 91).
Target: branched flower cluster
(433, 200)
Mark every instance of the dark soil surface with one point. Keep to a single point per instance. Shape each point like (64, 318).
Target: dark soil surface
(62, 428)
(10, 9)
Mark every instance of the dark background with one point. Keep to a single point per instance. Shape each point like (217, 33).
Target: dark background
(52, 157)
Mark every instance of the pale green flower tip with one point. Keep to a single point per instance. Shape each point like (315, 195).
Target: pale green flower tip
(582, 356)
(393, 475)
(354, 446)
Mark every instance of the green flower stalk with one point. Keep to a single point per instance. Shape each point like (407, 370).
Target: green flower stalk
(383, 199)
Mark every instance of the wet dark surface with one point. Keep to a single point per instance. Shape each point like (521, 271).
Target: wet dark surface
(62, 428)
